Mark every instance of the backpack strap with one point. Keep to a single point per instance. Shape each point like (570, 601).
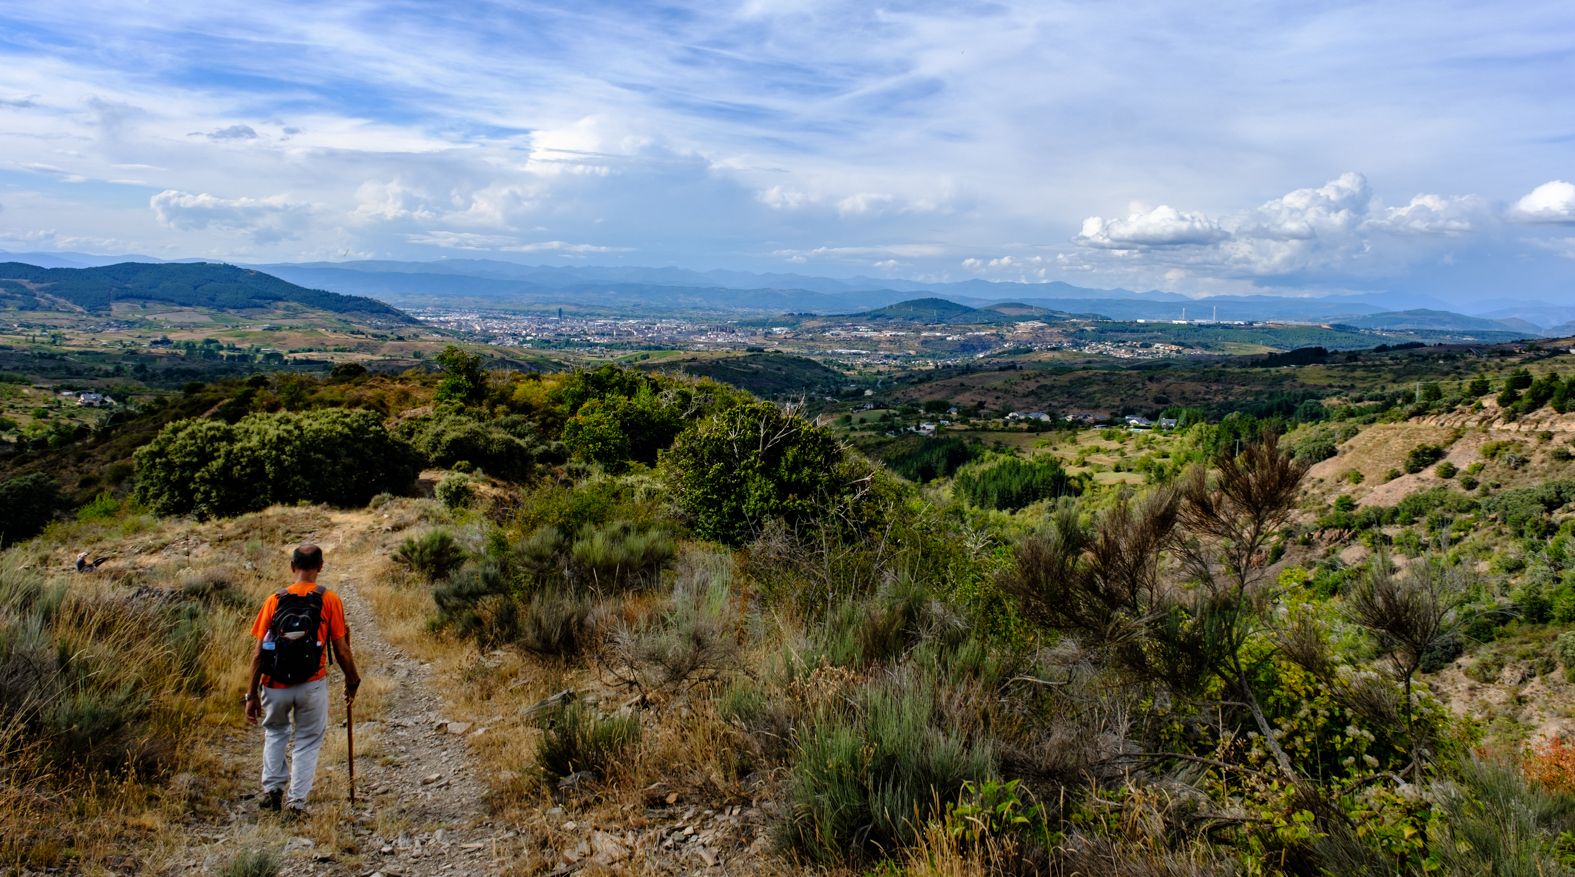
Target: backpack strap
(328, 646)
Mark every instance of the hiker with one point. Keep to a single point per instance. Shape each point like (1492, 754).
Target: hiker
(295, 631)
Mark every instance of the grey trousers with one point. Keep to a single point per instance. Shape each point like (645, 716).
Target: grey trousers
(307, 705)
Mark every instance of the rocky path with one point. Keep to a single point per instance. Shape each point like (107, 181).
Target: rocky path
(421, 781)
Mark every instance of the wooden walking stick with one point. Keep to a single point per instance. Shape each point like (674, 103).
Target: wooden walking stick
(350, 739)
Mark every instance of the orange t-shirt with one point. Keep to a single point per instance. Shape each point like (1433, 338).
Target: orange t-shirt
(333, 626)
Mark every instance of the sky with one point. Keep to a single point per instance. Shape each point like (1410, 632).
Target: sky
(1424, 150)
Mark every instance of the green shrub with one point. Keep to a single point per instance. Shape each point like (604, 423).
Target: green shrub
(863, 784)
(451, 440)
(614, 431)
(477, 603)
(434, 555)
(620, 555)
(555, 624)
(750, 464)
(695, 637)
(1496, 822)
(576, 738)
(1392, 474)
(1422, 456)
(1564, 647)
(455, 491)
(253, 863)
(1446, 470)
(1315, 445)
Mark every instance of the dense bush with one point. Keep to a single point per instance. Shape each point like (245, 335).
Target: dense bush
(434, 555)
(753, 463)
(214, 469)
(455, 491)
(1422, 456)
(1315, 445)
(1527, 512)
(27, 503)
(1010, 483)
(447, 439)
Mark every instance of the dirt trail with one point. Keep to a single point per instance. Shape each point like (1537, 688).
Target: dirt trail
(420, 804)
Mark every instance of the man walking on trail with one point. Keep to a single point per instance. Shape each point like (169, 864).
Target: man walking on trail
(294, 631)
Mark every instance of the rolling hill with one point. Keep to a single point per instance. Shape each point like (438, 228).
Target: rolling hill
(1423, 319)
(938, 311)
(189, 285)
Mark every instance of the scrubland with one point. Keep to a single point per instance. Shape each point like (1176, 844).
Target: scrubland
(701, 625)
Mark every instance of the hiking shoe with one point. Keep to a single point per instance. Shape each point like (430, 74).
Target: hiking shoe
(271, 801)
(295, 812)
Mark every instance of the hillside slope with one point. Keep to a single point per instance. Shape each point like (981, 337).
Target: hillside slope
(194, 285)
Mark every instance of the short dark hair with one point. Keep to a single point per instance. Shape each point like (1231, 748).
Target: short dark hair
(307, 556)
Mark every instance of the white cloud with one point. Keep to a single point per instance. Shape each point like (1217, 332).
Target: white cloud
(1333, 208)
(1161, 227)
(864, 203)
(266, 220)
(1553, 202)
(1431, 214)
(782, 198)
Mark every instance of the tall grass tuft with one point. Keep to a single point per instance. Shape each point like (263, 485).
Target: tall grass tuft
(865, 782)
(576, 738)
(253, 863)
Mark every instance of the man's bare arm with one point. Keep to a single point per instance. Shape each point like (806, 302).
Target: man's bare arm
(253, 705)
(347, 663)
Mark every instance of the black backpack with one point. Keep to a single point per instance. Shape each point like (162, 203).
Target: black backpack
(297, 653)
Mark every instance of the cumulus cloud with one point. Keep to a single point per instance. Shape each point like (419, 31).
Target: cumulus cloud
(1431, 214)
(1338, 226)
(1161, 227)
(266, 220)
(1335, 207)
(1552, 202)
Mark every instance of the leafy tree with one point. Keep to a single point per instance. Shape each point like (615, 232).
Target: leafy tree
(27, 502)
(753, 463)
(615, 430)
(212, 469)
(464, 381)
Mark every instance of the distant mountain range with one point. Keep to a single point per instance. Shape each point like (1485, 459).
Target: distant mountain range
(183, 284)
(500, 284)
